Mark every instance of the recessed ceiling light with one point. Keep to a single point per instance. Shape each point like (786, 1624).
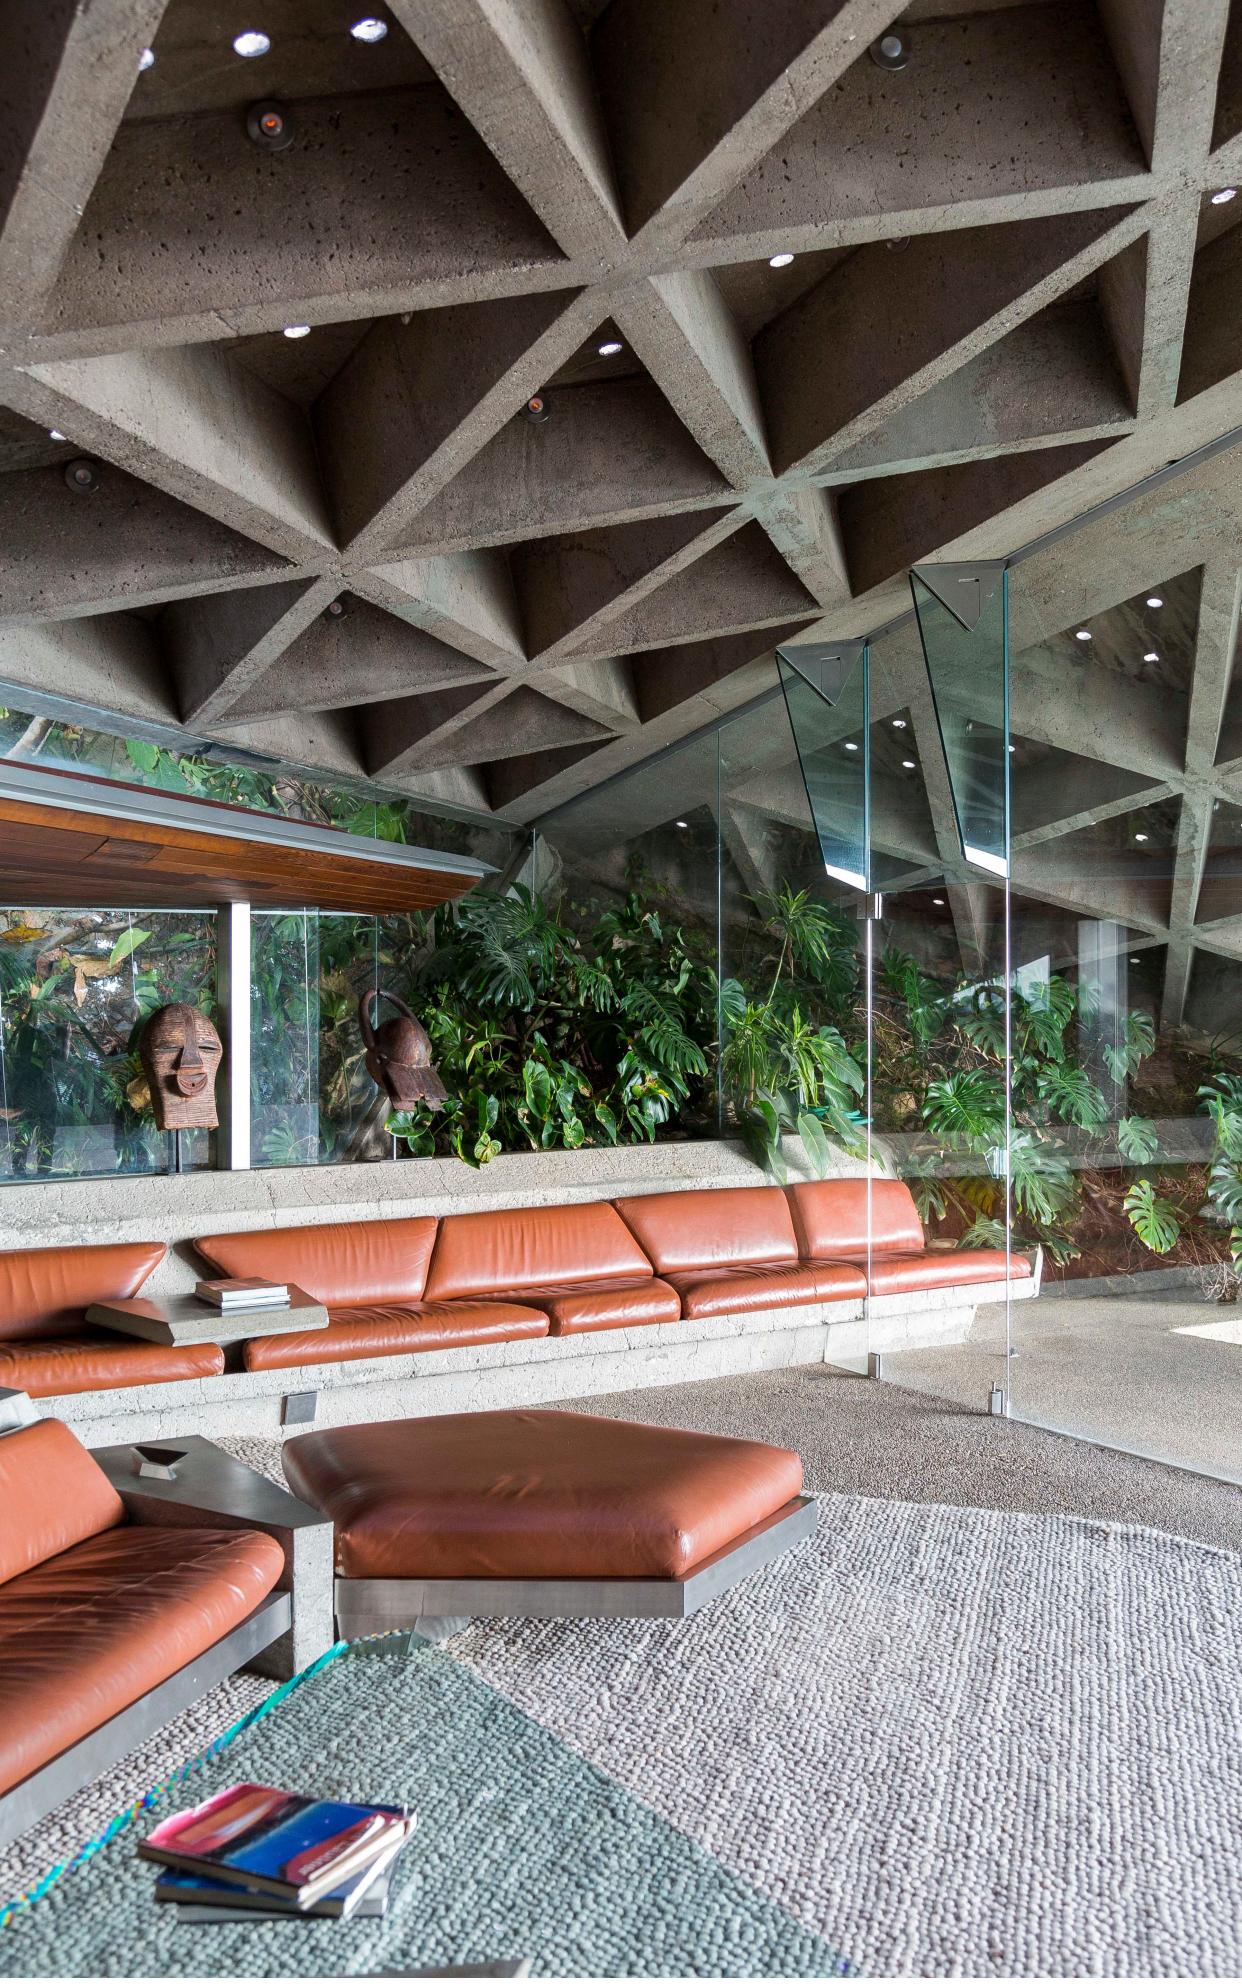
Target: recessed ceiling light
(939, 901)
(1082, 634)
(1140, 837)
(610, 348)
(1226, 193)
(899, 724)
(681, 824)
(891, 51)
(1013, 748)
(251, 42)
(55, 435)
(297, 331)
(81, 476)
(1151, 656)
(781, 261)
(850, 745)
(1155, 600)
(1134, 959)
(369, 28)
(146, 60)
(908, 764)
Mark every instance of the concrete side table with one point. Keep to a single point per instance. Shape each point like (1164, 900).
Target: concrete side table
(210, 1487)
(186, 1320)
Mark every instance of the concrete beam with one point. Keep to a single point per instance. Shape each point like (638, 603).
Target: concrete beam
(220, 647)
(420, 397)
(196, 425)
(682, 330)
(419, 213)
(519, 70)
(973, 287)
(67, 68)
(122, 544)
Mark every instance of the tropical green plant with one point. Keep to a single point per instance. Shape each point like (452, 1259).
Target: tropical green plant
(1157, 1221)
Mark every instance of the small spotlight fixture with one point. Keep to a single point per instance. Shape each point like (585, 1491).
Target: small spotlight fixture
(610, 348)
(891, 51)
(782, 260)
(81, 475)
(1082, 634)
(1151, 656)
(369, 29)
(297, 331)
(1141, 837)
(55, 435)
(251, 42)
(1155, 600)
(270, 125)
(335, 610)
(146, 60)
(1226, 194)
(908, 765)
(537, 409)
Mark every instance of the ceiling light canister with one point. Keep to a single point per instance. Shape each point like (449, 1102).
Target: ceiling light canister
(369, 29)
(1225, 194)
(781, 260)
(1082, 634)
(1155, 600)
(297, 331)
(251, 42)
(610, 348)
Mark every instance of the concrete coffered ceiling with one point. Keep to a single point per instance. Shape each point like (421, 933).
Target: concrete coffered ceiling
(1011, 298)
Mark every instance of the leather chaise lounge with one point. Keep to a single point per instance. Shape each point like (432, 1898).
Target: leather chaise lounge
(108, 1626)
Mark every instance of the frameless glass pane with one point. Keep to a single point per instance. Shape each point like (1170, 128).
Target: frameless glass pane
(76, 989)
(961, 617)
(1127, 997)
(825, 689)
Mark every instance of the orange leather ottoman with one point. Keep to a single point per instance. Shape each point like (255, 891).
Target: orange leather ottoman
(541, 1512)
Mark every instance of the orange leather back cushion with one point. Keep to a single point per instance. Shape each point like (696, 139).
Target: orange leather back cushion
(703, 1229)
(342, 1262)
(43, 1292)
(830, 1217)
(520, 1248)
(53, 1495)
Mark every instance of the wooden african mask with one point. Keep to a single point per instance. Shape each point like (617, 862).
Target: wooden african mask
(181, 1053)
(399, 1054)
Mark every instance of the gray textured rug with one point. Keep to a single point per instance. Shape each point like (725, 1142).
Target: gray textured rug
(950, 1741)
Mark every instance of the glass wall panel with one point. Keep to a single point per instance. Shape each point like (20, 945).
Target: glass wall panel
(312, 1101)
(76, 987)
(939, 1011)
(1128, 994)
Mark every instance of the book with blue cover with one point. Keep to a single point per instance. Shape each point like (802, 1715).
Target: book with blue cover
(288, 1845)
(210, 1901)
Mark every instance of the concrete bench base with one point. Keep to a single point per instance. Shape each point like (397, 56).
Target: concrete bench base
(523, 1373)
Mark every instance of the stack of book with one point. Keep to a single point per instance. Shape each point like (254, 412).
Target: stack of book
(260, 1850)
(227, 1294)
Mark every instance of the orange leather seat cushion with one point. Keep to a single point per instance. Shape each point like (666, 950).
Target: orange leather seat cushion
(709, 1293)
(712, 1228)
(512, 1250)
(940, 1269)
(377, 1331)
(44, 1292)
(607, 1305)
(85, 1633)
(341, 1262)
(91, 1358)
(53, 1495)
(832, 1217)
(534, 1494)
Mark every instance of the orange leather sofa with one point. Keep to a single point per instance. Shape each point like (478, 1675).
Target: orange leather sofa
(831, 1220)
(372, 1277)
(46, 1346)
(580, 1265)
(734, 1249)
(96, 1612)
